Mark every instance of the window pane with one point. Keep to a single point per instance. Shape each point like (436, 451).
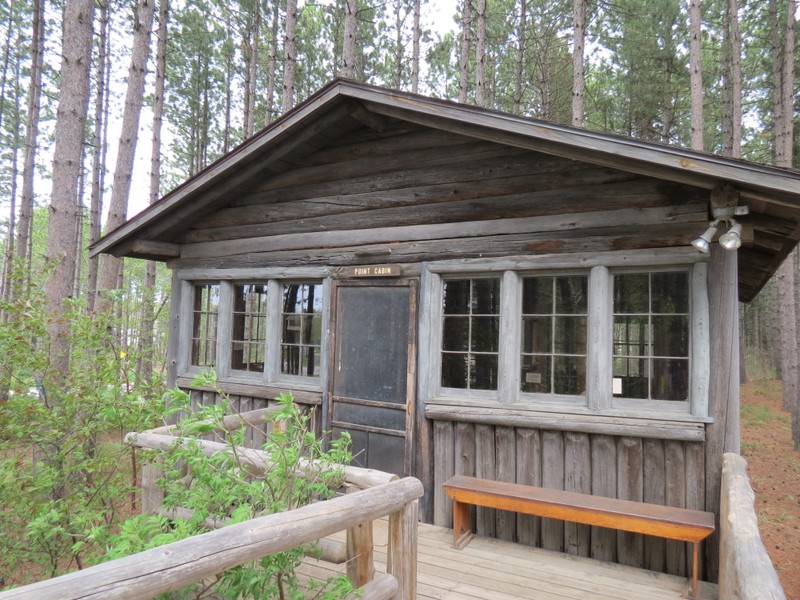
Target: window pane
(456, 297)
(486, 296)
(204, 325)
(455, 370)
(537, 296)
(485, 334)
(537, 334)
(671, 336)
(632, 373)
(631, 293)
(569, 375)
(456, 333)
(670, 292)
(670, 379)
(301, 330)
(536, 374)
(631, 336)
(571, 295)
(570, 335)
(313, 329)
(248, 340)
(292, 325)
(483, 375)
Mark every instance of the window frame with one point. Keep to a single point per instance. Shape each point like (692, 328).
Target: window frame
(275, 280)
(598, 399)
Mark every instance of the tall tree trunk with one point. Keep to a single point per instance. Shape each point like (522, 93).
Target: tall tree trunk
(731, 81)
(269, 115)
(466, 43)
(99, 148)
(7, 283)
(398, 45)
(480, 56)
(519, 66)
(415, 50)
(252, 71)
(111, 266)
(696, 74)
(350, 32)
(25, 226)
(145, 363)
(289, 54)
(578, 76)
(73, 104)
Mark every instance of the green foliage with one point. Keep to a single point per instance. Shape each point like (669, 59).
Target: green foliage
(221, 489)
(63, 467)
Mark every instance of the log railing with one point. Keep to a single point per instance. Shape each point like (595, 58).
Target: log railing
(373, 494)
(745, 570)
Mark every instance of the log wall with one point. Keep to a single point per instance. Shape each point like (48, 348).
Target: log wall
(666, 472)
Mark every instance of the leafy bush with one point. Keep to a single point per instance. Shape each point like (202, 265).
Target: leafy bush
(221, 489)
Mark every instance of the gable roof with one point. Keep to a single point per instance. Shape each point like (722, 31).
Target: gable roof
(772, 194)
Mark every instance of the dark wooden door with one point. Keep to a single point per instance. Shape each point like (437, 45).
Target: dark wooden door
(373, 371)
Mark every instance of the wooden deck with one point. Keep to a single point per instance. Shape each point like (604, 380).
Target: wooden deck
(495, 570)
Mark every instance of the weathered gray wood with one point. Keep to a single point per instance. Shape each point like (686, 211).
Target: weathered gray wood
(506, 470)
(254, 390)
(577, 478)
(675, 479)
(485, 468)
(360, 565)
(444, 469)
(701, 342)
(598, 364)
(695, 489)
(630, 486)
(529, 472)
(463, 229)
(401, 561)
(464, 457)
(170, 567)
(604, 483)
(553, 477)
(624, 424)
(152, 494)
(383, 587)
(723, 405)
(654, 493)
(746, 570)
(509, 357)
(144, 248)
(175, 329)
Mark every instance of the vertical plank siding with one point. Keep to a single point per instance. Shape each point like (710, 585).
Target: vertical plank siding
(642, 469)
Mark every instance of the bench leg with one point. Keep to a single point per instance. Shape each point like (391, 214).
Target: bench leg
(462, 533)
(695, 567)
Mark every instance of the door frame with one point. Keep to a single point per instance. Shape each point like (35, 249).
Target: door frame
(412, 283)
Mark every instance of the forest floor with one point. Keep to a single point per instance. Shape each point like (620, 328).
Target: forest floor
(774, 470)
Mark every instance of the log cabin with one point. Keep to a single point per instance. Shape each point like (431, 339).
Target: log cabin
(470, 292)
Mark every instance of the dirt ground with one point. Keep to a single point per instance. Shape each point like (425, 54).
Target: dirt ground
(774, 469)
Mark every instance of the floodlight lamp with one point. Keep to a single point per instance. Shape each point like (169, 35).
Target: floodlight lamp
(732, 239)
(703, 243)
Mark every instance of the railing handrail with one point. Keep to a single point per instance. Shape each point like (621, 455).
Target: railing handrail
(745, 569)
(170, 567)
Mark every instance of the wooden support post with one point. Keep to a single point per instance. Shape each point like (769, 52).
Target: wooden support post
(402, 553)
(360, 566)
(152, 493)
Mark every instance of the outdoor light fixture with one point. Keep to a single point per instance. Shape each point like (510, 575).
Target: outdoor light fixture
(732, 238)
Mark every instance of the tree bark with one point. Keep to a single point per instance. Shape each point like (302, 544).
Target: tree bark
(480, 56)
(350, 32)
(273, 67)
(73, 105)
(252, 71)
(99, 148)
(415, 49)
(578, 76)
(25, 225)
(522, 32)
(111, 266)
(289, 54)
(466, 43)
(145, 363)
(696, 75)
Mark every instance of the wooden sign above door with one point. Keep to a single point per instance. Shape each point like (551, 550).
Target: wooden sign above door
(371, 271)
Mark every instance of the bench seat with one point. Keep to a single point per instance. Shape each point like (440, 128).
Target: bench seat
(637, 517)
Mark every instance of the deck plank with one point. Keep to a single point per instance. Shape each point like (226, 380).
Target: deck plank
(490, 569)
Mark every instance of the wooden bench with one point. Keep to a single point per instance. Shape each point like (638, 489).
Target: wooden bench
(637, 517)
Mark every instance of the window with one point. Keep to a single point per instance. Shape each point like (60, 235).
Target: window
(204, 325)
(651, 336)
(471, 334)
(249, 333)
(554, 335)
(257, 332)
(301, 338)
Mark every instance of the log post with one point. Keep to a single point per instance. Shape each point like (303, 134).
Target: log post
(402, 553)
(152, 493)
(360, 566)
